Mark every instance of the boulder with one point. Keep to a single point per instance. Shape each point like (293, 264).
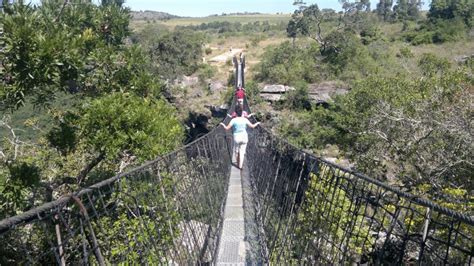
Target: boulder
(187, 81)
(216, 86)
(271, 97)
(276, 89)
(322, 92)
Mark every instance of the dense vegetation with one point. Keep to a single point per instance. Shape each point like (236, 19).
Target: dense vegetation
(100, 103)
(406, 119)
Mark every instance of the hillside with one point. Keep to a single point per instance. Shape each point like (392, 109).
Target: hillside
(151, 15)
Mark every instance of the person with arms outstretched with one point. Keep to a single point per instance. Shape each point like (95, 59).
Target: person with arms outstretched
(239, 126)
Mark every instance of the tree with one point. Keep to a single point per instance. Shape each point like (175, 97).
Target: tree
(41, 57)
(177, 53)
(414, 7)
(59, 49)
(307, 21)
(384, 9)
(400, 9)
(407, 132)
(443, 9)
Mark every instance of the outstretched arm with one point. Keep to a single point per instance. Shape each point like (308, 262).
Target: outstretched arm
(253, 125)
(250, 115)
(226, 127)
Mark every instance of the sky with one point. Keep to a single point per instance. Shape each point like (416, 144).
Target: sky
(201, 8)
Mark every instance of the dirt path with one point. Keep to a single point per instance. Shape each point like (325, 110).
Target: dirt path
(226, 56)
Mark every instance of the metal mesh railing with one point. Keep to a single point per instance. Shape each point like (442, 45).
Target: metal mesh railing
(312, 211)
(167, 211)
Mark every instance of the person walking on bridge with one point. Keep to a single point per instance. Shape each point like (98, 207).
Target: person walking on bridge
(239, 126)
(240, 95)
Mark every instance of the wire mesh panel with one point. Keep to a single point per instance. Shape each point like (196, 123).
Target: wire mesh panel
(312, 211)
(165, 212)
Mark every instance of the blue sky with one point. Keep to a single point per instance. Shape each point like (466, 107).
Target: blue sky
(197, 8)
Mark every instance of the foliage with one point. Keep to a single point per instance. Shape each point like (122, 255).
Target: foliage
(222, 27)
(313, 212)
(252, 92)
(42, 56)
(176, 53)
(415, 130)
(120, 122)
(298, 99)
(285, 64)
(448, 10)
(97, 98)
(431, 65)
(206, 72)
(448, 21)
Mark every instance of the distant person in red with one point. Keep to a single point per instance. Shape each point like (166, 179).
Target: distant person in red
(240, 95)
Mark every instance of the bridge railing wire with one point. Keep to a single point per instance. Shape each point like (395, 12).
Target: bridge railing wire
(167, 211)
(313, 211)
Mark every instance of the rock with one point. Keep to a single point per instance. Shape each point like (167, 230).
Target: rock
(322, 92)
(463, 58)
(216, 86)
(271, 97)
(276, 89)
(273, 93)
(187, 81)
(218, 111)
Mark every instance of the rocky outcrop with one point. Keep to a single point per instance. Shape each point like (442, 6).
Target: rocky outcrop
(322, 92)
(216, 86)
(318, 93)
(186, 81)
(273, 93)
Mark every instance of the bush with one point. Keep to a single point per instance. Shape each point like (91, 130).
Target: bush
(285, 64)
(298, 99)
(425, 37)
(206, 72)
(430, 64)
(449, 31)
(120, 122)
(252, 92)
(405, 52)
(177, 53)
(208, 50)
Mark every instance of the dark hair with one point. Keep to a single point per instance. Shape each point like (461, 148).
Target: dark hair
(238, 110)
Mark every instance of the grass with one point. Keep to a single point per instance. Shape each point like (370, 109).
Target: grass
(244, 19)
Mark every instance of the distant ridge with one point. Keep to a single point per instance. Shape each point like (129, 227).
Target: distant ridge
(151, 15)
(235, 14)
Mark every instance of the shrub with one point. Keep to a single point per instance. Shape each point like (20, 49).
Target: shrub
(430, 64)
(449, 31)
(298, 99)
(405, 52)
(206, 72)
(285, 64)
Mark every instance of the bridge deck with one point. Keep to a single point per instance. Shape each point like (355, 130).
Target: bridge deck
(238, 243)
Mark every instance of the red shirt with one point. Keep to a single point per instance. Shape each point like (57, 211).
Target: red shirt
(240, 94)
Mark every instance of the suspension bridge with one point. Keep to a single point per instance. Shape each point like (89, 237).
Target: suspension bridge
(192, 206)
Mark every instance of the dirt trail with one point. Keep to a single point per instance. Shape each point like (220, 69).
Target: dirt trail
(226, 56)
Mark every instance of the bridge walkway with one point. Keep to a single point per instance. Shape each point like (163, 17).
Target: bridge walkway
(239, 244)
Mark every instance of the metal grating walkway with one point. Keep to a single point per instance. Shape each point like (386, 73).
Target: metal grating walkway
(239, 243)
